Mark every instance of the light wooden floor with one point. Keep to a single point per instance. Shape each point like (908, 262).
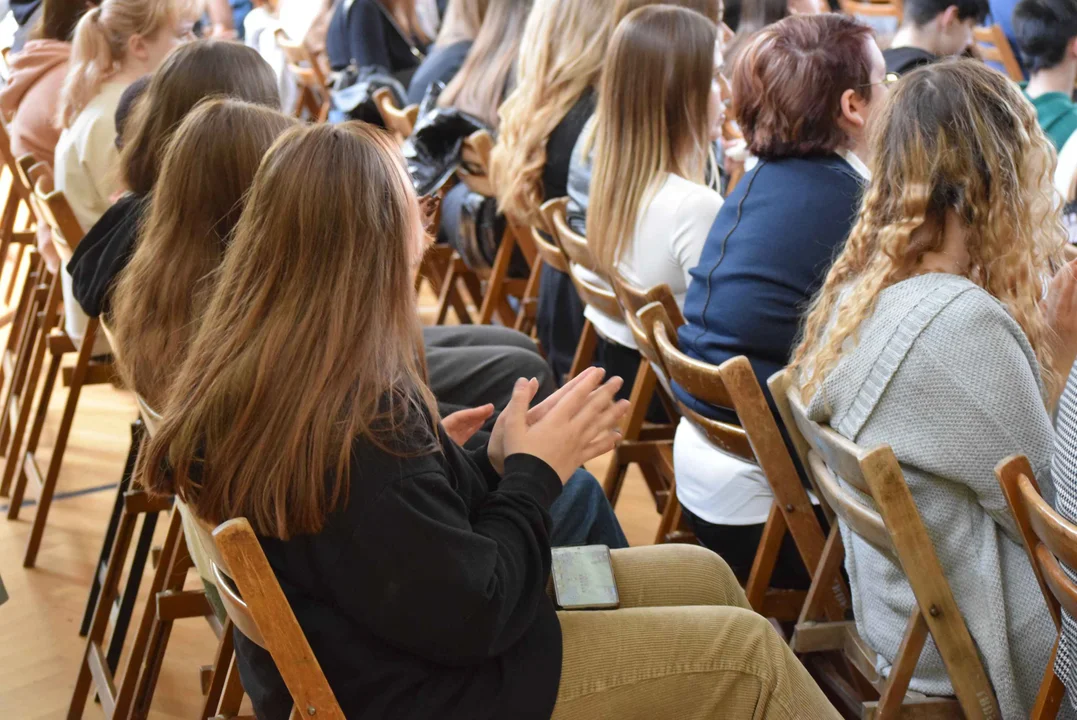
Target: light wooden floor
(40, 649)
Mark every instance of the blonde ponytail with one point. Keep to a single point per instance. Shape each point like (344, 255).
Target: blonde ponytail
(100, 45)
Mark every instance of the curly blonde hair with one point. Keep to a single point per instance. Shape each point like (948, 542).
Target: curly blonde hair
(954, 136)
(561, 56)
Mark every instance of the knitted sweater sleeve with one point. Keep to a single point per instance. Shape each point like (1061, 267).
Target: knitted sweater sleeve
(973, 379)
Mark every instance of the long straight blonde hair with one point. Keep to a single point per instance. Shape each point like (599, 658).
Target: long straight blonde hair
(100, 45)
(310, 340)
(953, 136)
(207, 169)
(652, 119)
(561, 55)
(483, 80)
(462, 21)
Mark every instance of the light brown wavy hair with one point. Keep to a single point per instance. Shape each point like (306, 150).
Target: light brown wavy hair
(652, 119)
(561, 55)
(953, 136)
(310, 340)
(159, 297)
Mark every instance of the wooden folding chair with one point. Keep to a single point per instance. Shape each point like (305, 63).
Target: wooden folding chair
(1051, 544)
(494, 298)
(548, 252)
(756, 440)
(893, 527)
(15, 360)
(313, 85)
(994, 46)
(258, 608)
(591, 294)
(873, 8)
(66, 234)
(18, 197)
(399, 121)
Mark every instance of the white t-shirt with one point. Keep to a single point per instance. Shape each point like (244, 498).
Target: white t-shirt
(669, 239)
(87, 171)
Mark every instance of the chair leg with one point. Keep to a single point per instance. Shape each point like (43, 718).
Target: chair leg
(60, 446)
(110, 532)
(19, 254)
(19, 321)
(232, 694)
(585, 350)
(16, 460)
(500, 270)
(221, 667)
(766, 557)
(639, 400)
(671, 518)
(130, 590)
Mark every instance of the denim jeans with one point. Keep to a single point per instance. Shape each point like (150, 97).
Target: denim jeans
(583, 515)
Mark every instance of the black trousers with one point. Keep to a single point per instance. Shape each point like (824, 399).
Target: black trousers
(471, 365)
(737, 545)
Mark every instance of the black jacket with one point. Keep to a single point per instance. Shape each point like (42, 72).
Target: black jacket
(104, 252)
(425, 597)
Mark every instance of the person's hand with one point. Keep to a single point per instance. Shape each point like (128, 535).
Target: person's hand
(463, 424)
(1060, 309)
(496, 449)
(581, 424)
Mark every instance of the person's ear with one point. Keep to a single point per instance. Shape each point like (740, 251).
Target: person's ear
(948, 17)
(138, 48)
(854, 110)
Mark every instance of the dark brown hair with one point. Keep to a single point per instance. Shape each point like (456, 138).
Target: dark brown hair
(59, 18)
(189, 75)
(788, 83)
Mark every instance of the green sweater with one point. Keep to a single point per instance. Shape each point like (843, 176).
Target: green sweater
(1057, 114)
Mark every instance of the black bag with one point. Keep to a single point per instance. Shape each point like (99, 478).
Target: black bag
(353, 93)
(433, 150)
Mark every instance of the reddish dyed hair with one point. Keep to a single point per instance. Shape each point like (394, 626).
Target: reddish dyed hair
(788, 83)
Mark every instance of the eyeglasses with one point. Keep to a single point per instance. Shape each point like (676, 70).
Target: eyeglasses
(888, 80)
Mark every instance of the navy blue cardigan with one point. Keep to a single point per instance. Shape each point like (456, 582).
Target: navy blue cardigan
(767, 254)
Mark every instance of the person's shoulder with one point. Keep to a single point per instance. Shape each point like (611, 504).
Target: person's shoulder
(688, 200)
(961, 308)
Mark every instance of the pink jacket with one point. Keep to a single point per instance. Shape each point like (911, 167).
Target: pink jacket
(32, 97)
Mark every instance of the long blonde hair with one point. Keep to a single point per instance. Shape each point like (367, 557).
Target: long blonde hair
(463, 18)
(953, 136)
(652, 119)
(310, 340)
(481, 83)
(561, 55)
(100, 45)
(158, 300)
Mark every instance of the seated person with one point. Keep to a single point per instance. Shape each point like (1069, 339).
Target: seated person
(912, 342)
(1064, 480)
(455, 39)
(771, 246)
(659, 110)
(417, 570)
(383, 33)
(1047, 36)
(931, 29)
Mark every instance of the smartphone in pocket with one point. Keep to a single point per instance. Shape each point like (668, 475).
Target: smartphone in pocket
(583, 578)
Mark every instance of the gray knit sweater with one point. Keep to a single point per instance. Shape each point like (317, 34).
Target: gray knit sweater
(943, 374)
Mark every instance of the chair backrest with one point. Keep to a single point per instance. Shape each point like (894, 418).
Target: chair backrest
(698, 379)
(549, 251)
(896, 529)
(873, 8)
(474, 168)
(994, 46)
(57, 213)
(399, 121)
(576, 250)
(261, 608)
(302, 64)
(1050, 539)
